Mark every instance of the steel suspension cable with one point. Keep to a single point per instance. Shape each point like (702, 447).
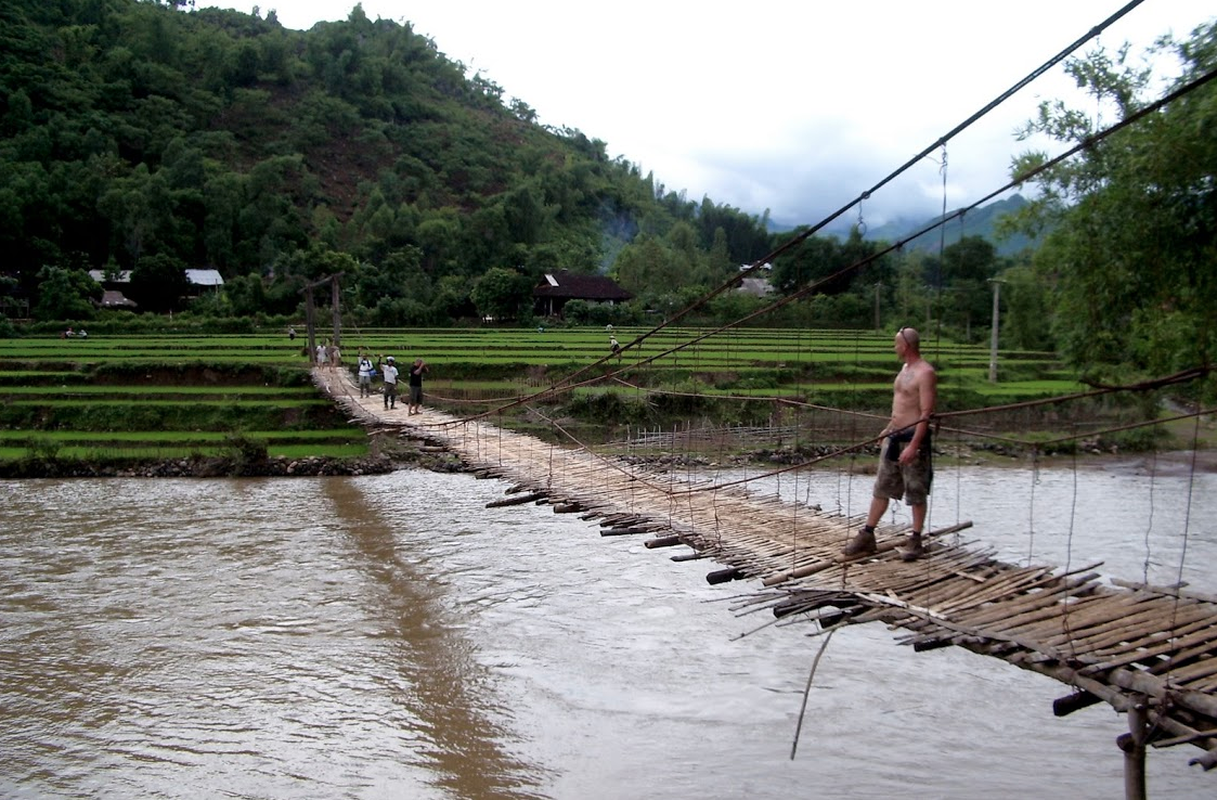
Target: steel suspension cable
(806, 234)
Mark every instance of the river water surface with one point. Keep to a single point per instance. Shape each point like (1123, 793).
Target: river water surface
(390, 637)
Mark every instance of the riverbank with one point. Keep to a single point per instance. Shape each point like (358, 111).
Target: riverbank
(393, 456)
(396, 453)
(1164, 463)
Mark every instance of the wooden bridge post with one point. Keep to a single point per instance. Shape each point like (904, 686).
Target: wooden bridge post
(310, 326)
(1133, 745)
(310, 313)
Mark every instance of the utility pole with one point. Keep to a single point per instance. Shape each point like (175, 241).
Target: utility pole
(996, 282)
(878, 286)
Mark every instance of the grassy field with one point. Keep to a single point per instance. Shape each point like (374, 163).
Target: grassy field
(155, 398)
(172, 396)
(801, 357)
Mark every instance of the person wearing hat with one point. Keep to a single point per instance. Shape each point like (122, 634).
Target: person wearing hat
(389, 370)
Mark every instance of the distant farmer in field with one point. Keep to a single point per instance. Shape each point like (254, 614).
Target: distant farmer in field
(417, 370)
(365, 375)
(614, 346)
(905, 467)
(291, 333)
(390, 372)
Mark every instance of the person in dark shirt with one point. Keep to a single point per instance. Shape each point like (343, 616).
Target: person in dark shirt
(415, 373)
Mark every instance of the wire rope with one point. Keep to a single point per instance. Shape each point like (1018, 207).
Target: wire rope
(794, 745)
(1149, 522)
(1187, 523)
(1035, 481)
(1018, 180)
(1065, 604)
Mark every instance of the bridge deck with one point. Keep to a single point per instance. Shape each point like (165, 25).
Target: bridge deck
(1130, 645)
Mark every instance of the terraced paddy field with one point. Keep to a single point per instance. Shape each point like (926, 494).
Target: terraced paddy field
(164, 396)
(836, 355)
(853, 369)
(132, 399)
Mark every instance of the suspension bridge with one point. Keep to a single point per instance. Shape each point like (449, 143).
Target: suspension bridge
(1147, 651)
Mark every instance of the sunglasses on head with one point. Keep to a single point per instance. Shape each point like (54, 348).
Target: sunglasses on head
(905, 336)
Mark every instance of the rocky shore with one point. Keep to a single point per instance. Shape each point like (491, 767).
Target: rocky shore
(405, 455)
(228, 467)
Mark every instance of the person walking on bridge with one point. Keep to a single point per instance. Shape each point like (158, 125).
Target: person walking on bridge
(905, 466)
(417, 370)
(365, 375)
(389, 370)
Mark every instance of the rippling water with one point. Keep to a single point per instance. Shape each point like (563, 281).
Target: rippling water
(388, 636)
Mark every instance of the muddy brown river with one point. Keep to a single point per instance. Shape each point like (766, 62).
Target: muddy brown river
(390, 637)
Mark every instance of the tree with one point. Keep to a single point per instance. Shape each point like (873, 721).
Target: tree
(1133, 219)
(646, 267)
(65, 294)
(158, 282)
(399, 275)
(1026, 301)
(451, 301)
(8, 305)
(819, 259)
(967, 267)
(246, 295)
(501, 294)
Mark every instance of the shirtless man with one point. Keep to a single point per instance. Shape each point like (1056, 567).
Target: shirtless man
(905, 468)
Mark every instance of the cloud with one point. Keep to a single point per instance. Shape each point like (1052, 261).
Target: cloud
(789, 106)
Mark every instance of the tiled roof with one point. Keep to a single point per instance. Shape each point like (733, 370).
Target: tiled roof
(112, 299)
(573, 286)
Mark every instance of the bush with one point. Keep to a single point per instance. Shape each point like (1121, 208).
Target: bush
(1151, 437)
(248, 454)
(606, 408)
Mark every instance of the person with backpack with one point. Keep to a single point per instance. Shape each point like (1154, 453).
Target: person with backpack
(365, 375)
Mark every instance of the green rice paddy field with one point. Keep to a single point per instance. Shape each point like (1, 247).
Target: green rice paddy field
(167, 396)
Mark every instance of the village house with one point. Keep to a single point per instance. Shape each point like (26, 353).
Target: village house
(112, 296)
(112, 283)
(559, 288)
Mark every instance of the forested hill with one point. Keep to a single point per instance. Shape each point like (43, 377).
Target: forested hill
(138, 135)
(983, 222)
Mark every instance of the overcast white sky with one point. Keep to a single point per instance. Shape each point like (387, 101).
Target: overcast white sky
(787, 105)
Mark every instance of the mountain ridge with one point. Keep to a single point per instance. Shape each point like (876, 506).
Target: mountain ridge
(982, 222)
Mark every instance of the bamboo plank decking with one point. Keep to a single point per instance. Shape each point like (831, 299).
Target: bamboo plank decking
(1138, 648)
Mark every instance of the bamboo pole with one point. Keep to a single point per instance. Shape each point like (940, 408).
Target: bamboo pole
(1133, 745)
